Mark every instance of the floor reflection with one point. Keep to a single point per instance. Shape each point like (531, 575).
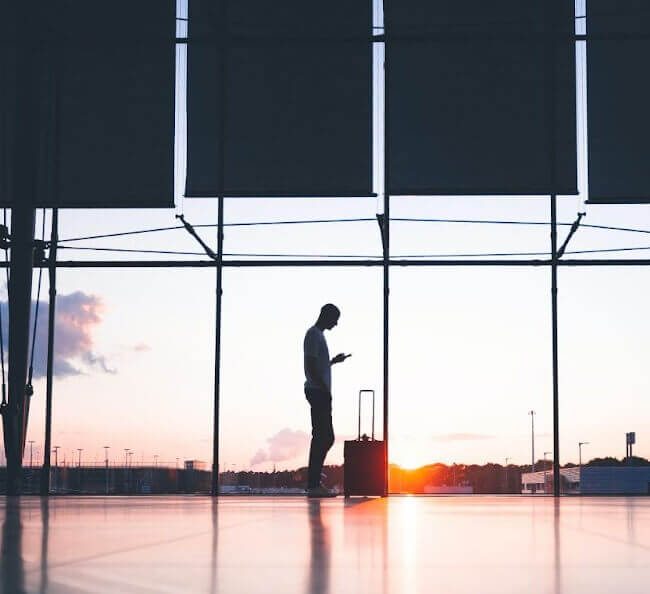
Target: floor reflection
(319, 566)
(45, 537)
(294, 545)
(215, 541)
(13, 565)
(557, 549)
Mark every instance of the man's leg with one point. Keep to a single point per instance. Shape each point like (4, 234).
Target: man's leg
(322, 435)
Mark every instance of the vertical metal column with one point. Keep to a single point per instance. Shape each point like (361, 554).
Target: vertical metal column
(45, 473)
(217, 353)
(26, 151)
(386, 246)
(552, 33)
(554, 315)
(222, 44)
(20, 293)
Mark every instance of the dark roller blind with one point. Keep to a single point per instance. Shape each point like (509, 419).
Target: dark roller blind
(297, 98)
(468, 92)
(106, 77)
(618, 99)
(7, 98)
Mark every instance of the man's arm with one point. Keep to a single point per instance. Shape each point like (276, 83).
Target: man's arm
(312, 368)
(339, 358)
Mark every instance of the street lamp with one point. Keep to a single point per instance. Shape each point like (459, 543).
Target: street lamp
(155, 460)
(545, 454)
(106, 448)
(580, 444)
(80, 450)
(31, 443)
(532, 437)
(56, 465)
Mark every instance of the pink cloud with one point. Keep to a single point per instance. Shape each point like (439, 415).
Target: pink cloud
(77, 316)
(284, 445)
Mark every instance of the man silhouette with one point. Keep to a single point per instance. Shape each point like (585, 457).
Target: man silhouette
(318, 390)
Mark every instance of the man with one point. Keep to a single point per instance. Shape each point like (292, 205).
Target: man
(318, 390)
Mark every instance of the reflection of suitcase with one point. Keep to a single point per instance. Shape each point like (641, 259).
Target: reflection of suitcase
(364, 471)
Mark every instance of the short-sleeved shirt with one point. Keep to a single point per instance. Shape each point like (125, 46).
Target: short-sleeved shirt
(315, 346)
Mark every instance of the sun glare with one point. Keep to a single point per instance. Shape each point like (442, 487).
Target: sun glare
(409, 458)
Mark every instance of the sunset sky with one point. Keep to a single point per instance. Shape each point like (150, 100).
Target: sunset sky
(470, 347)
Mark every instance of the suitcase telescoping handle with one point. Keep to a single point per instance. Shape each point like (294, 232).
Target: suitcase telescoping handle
(373, 414)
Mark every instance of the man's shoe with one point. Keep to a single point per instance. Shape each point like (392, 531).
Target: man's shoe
(321, 492)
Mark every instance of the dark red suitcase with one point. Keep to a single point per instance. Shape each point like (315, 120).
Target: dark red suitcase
(364, 470)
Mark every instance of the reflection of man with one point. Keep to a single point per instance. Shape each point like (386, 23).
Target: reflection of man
(319, 566)
(318, 390)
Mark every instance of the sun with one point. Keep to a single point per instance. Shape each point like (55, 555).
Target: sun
(409, 457)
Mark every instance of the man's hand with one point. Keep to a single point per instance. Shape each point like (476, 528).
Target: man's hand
(339, 358)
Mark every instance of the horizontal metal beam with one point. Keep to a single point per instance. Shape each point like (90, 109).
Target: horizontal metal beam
(334, 263)
(612, 262)
(271, 38)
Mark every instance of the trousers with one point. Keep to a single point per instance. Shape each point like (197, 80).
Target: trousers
(322, 433)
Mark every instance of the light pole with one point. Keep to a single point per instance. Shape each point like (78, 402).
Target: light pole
(131, 475)
(545, 454)
(106, 448)
(532, 437)
(507, 474)
(56, 465)
(580, 444)
(155, 460)
(126, 468)
(31, 443)
(80, 477)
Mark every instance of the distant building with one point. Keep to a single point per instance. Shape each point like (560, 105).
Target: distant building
(194, 465)
(235, 490)
(590, 480)
(448, 490)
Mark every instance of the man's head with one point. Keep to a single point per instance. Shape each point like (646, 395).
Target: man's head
(329, 316)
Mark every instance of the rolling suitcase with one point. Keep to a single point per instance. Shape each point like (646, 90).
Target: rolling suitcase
(364, 471)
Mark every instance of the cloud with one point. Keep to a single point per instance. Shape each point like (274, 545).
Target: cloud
(259, 457)
(284, 445)
(461, 437)
(141, 347)
(77, 316)
(98, 360)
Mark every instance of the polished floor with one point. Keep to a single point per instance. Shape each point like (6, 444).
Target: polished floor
(289, 544)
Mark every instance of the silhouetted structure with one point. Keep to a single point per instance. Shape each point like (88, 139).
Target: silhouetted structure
(69, 84)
